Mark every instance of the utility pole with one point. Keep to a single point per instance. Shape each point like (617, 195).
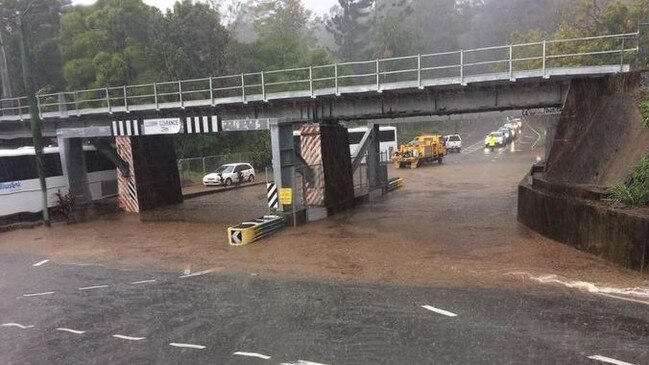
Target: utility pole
(4, 71)
(35, 120)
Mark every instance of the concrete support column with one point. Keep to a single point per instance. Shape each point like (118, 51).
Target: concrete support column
(283, 148)
(73, 164)
(374, 159)
(154, 180)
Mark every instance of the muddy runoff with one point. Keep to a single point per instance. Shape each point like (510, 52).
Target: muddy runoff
(452, 225)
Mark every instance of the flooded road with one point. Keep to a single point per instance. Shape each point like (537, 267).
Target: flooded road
(437, 272)
(452, 224)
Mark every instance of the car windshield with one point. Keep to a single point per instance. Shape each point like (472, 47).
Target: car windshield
(226, 169)
(454, 139)
(497, 134)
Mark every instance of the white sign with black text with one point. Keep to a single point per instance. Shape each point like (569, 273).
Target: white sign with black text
(162, 126)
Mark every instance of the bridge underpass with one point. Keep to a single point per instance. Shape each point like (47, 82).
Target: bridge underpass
(142, 117)
(445, 229)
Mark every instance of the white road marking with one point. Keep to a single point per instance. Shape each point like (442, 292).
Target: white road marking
(537, 133)
(187, 345)
(41, 263)
(143, 282)
(129, 338)
(303, 362)
(17, 325)
(76, 332)
(439, 311)
(38, 294)
(94, 287)
(608, 360)
(197, 273)
(251, 354)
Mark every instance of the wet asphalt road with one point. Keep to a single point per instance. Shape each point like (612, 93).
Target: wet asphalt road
(69, 314)
(320, 322)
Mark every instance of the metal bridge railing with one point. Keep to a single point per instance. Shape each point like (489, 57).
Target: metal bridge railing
(447, 68)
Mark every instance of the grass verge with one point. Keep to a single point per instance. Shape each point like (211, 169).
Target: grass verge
(635, 191)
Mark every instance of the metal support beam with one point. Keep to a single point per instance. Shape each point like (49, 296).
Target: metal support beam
(105, 148)
(374, 159)
(304, 169)
(370, 135)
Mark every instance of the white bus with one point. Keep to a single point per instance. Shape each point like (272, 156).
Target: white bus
(387, 140)
(20, 190)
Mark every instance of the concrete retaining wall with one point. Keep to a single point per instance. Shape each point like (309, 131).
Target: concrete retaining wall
(592, 226)
(599, 140)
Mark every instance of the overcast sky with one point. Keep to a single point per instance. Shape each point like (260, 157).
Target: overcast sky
(317, 6)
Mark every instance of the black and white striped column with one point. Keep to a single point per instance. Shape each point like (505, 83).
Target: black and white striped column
(273, 197)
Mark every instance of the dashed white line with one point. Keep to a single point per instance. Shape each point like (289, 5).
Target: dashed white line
(608, 360)
(76, 332)
(439, 311)
(41, 263)
(21, 326)
(251, 354)
(94, 287)
(187, 345)
(199, 273)
(537, 133)
(143, 282)
(129, 338)
(38, 294)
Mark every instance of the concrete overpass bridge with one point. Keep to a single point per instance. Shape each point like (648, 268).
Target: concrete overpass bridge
(518, 76)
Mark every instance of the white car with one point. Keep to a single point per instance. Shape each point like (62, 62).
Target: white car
(516, 121)
(229, 174)
(453, 142)
(499, 139)
(513, 126)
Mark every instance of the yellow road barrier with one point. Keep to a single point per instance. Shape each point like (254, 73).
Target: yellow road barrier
(256, 229)
(396, 183)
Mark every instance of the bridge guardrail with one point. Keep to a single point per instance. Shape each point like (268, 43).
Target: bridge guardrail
(423, 70)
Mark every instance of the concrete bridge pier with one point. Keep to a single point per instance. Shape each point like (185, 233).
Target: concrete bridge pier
(153, 179)
(73, 165)
(324, 163)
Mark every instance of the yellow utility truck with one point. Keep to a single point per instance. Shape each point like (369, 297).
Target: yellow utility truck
(423, 149)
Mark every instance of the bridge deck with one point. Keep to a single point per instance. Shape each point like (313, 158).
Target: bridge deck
(567, 58)
(358, 89)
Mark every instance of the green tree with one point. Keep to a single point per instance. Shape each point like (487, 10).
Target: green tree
(190, 42)
(586, 18)
(391, 39)
(350, 26)
(42, 25)
(108, 41)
